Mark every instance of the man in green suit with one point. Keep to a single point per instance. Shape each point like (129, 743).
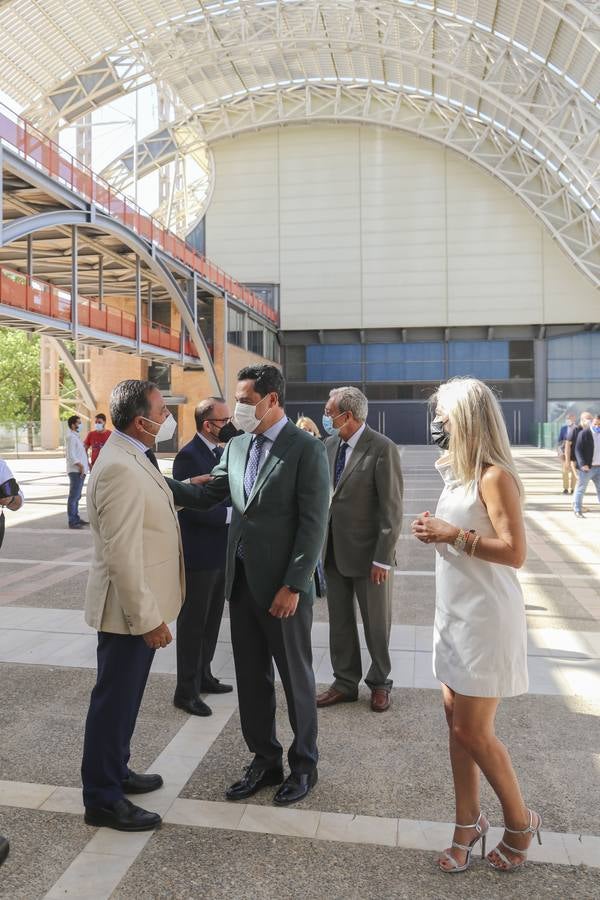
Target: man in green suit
(278, 479)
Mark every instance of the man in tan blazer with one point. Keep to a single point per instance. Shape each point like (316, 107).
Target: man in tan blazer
(365, 518)
(135, 587)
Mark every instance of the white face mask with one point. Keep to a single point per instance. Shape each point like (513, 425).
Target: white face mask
(245, 416)
(166, 430)
(99, 426)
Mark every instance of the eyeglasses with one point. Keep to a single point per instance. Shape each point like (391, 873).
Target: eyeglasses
(219, 420)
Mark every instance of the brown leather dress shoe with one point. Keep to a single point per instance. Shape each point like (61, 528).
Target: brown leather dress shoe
(332, 696)
(380, 700)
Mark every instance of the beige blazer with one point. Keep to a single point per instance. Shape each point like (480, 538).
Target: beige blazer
(137, 577)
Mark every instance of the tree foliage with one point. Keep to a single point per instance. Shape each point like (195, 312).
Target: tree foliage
(19, 376)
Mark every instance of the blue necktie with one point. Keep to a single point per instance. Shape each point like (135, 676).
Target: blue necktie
(250, 476)
(217, 453)
(251, 473)
(340, 463)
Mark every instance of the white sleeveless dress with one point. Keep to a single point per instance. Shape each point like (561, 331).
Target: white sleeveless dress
(480, 631)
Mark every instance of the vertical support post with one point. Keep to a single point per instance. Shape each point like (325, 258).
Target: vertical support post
(100, 280)
(149, 301)
(29, 255)
(74, 283)
(1, 191)
(245, 331)
(49, 395)
(225, 347)
(540, 375)
(138, 305)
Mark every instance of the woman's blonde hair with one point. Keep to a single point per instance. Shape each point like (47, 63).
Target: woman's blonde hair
(478, 435)
(307, 424)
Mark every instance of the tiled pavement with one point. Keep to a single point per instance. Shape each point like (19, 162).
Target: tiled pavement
(383, 804)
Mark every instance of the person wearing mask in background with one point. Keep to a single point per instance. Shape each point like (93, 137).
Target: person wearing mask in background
(10, 498)
(204, 537)
(135, 588)
(587, 454)
(306, 424)
(365, 519)
(96, 439)
(77, 469)
(569, 477)
(585, 420)
(278, 482)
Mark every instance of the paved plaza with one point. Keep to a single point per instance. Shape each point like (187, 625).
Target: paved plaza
(384, 801)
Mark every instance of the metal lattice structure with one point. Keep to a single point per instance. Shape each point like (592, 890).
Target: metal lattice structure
(512, 85)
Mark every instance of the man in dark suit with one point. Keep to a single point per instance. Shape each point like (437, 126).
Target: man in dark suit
(587, 454)
(278, 480)
(204, 537)
(365, 519)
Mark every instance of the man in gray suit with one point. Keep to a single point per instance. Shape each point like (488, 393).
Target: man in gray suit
(278, 480)
(365, 519)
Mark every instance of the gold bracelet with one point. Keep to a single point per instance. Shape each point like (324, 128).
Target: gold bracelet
(461, 540)
(476, 540)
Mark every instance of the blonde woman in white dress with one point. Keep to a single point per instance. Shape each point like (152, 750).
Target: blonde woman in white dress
(479, 637)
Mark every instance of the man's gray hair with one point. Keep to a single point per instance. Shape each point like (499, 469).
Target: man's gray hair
(129, 399)
(350, 399)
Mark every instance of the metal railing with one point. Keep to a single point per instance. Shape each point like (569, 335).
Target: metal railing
(30, 294)
(40, 150)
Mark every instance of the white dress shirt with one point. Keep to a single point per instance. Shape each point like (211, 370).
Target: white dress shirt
(596, 456)
(76, 453)
(6, 475)
(352, 442)
(141, 447)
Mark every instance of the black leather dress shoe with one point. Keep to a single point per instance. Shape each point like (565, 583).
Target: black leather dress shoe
(141, 784)
(4, 848)
(295, 787)
(214, 686)
(192, 705)
(254, 779)
(122, 816)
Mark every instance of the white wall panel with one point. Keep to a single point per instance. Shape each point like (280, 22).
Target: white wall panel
(367, 228)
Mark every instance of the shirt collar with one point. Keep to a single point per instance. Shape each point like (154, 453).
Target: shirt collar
(353, 441)
(274, 431)
(211, 447)
(133, 441)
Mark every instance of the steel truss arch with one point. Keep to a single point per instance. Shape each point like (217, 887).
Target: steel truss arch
(28, 225)
(510, 80)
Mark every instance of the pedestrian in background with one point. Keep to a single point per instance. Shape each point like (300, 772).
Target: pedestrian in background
(569, 477)
(306, 424)
(77, 468)
(96, 439)
(587, 454)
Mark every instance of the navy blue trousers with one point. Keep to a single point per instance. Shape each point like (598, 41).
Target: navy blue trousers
(124, 662)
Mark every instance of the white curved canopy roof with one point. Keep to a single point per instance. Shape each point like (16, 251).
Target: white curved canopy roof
(511, 84)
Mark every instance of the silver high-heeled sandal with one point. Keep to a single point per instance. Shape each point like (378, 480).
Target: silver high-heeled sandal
(510, 866)
(482, 825)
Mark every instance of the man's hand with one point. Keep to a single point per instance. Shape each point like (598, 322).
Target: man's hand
(378, 574)
(80, 467)
(158, 637)
(6, 501)
(585, 468)
(284, 604)
(200, 479)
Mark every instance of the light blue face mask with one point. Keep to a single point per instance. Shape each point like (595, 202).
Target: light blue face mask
(328, 425)
(596, 428)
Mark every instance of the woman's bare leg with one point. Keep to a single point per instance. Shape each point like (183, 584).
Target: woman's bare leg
(466, 775)
(473, 729)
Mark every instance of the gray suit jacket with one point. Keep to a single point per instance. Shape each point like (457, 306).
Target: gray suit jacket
(282, 523)
(365, 515)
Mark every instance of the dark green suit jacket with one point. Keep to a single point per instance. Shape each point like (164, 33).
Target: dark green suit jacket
(282, 524)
